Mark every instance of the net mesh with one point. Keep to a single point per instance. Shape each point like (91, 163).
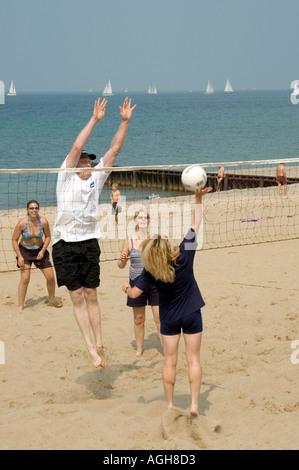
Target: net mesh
(248, 208)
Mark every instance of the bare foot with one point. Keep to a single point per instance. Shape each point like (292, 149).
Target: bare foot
(101, 352)
(194, 412)
(96, 360)
(55, 303)
(139, 353)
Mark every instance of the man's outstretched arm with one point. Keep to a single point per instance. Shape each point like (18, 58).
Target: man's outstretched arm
(116, 145)
(98, 114)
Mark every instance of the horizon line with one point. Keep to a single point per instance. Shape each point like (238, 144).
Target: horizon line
(121, 92)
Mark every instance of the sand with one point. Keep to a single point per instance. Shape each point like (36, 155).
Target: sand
(52, 397)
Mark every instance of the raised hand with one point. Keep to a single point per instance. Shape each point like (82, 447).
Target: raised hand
(126, 110)
(99, 109)
(201, 190)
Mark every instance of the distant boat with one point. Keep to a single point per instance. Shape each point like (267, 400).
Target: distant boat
(152, 90)
(126, 90)
(209, 89)
(12, 90)
(228, 87)
(108, 89)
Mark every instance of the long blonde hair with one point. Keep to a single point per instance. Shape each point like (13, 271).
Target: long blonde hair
(158, 258)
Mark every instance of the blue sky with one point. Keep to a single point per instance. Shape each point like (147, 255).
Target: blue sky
(76, 45)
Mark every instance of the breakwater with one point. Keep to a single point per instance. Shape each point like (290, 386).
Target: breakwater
(170, 180)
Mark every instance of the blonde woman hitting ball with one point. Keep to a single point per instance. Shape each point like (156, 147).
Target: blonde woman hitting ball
(180, 302)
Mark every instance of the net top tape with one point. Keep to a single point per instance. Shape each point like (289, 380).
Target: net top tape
(151, 167)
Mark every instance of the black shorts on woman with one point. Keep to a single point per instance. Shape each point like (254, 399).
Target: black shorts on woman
(189, 325)
(77, 263)
(30, 256)
(150, 296)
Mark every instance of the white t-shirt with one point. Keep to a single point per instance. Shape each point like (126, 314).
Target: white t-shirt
(77, 206)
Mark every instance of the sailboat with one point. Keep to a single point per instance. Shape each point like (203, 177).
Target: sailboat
(152, 90)
(209, 89)
(12, 90)
(228, 87)
(108, 89)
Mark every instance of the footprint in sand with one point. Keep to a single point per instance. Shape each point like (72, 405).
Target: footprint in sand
(178, 424)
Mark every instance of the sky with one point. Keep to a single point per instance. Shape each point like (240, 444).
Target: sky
(176, 45)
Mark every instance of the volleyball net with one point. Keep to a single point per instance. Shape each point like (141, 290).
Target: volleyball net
(246, 210)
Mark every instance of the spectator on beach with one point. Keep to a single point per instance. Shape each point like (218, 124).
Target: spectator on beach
(180, 301)
(76, 250)
(115, 198)
(281, 178)
(220, 177)
(35, 236)
(131, 251)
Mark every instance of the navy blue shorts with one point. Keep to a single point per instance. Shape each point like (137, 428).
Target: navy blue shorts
(149, 296)
(77, 263)
(191, 324)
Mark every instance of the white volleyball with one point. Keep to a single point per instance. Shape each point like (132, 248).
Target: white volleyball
(194, 176)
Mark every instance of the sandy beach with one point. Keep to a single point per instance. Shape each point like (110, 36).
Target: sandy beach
(52, 397)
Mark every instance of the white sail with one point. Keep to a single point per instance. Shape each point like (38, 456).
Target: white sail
(108, 89)
(152, 90)
(209, 89)
(228, 87)
(296, 90)
(12, 90)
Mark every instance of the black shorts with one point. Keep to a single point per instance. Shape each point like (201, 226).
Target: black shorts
(149, 296)
(77, 263)
(191, 324)
(30, 257)
(115, 208)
